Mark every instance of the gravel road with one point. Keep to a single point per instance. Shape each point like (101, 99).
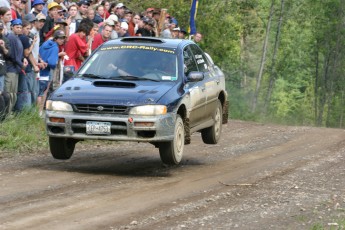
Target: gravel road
(260, 176)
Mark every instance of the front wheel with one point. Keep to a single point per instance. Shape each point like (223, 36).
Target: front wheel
(61, 148)
(211, 134)
(171, 152)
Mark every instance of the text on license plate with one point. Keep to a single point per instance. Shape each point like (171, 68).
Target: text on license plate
(96, 127)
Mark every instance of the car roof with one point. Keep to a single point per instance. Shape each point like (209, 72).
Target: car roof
(151, 41)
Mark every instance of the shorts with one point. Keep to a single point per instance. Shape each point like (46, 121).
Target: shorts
(43, 86)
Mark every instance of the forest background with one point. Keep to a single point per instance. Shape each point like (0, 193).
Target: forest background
(283, 60)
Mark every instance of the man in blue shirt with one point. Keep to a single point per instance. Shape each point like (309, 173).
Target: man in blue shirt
(15, 62)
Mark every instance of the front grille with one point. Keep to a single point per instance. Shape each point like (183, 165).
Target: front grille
(80, 108)
(117, 127)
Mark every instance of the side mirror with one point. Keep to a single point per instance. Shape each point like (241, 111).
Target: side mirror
(195, 76)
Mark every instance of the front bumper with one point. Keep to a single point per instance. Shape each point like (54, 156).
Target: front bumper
(123, 127)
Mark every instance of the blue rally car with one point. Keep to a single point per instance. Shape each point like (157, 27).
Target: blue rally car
(140, 89)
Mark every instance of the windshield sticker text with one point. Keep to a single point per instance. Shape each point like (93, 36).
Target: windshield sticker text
(150, 48)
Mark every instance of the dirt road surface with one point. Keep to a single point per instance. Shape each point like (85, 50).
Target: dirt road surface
(259, 176)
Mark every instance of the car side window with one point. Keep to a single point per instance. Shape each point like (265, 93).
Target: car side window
(189, 62)
(201, 59)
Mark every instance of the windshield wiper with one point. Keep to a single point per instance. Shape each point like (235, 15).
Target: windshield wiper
(133, 78)
(90, 75)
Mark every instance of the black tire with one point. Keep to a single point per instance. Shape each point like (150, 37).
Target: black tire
(171, 152)
(211, 135)
(61, 148)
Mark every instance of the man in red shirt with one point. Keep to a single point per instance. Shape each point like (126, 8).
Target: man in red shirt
(102, 37)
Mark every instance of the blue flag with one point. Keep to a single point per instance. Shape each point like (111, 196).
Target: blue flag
(193, 10)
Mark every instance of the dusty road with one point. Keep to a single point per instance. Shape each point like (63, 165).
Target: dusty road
(258, 177)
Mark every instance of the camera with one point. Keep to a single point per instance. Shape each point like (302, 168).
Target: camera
(31, 35)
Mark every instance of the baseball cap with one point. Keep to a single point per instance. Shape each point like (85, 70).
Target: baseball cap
(38, 2)
(109, 22)
(150, 9)
(113, 17)
(183, 30)
(83, 2)
(176, 29)
(60, 21)
(173, 20)
(16, 22)
(40, 17)
(30, 17)
(120, 5)
(59, 34)
(124, 25)
(52, 5)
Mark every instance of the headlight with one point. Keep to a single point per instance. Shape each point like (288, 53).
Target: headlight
(149, 110)
(58, 106)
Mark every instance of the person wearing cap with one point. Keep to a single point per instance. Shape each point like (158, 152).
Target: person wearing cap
(59, 24)
(120, 11)
(15, 61)
(149, 12)
(37, 7)
(35, 31)
(175, 32)
(147, 30)
(102, 37)
(182, 34)
(83, 6)
(53, 9)
(123, 32)
(49, 52)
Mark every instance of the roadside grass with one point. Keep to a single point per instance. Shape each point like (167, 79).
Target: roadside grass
(23, 132)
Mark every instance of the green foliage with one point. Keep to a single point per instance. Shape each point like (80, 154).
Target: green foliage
(23, 132)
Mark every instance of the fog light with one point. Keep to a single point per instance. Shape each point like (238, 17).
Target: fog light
(57, 120)
(144, 124)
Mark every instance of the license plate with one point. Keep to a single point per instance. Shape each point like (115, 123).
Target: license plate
(95, 127)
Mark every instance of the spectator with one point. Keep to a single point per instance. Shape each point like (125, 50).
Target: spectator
(59, 24)
(182, 34)
(4, 49)
(37, 7)
(15, 62)
(123, 32)
(166, 33)
(15, 7)
(22, 9)
(120, 11)
(99, 16)
(146, 31)
(83, 6)
(175, 32)
(49, 51)
(53, 8)
(5, 18)
(77, 47)
(197, 37)
(149, 12)
(106, 5)
(23, 94)
(113, 22)
(133, 25)
(71, 20)
(35, 31)
(90, 13)
(100, 38)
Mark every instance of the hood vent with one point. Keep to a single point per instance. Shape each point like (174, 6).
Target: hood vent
(114, 84)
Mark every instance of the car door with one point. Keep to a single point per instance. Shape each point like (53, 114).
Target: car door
(211, 80)
(196, 90)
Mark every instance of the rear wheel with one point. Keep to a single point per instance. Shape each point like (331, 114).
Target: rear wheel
(171, 152)
(211, 135)
(61, 148)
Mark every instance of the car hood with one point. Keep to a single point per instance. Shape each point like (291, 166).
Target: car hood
(129, 93)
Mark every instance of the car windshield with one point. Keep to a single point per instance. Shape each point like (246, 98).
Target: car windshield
(141, 63)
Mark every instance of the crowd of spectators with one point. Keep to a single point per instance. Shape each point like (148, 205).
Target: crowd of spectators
(39, 43)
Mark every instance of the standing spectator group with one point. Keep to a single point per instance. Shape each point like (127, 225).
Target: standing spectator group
(37, 45)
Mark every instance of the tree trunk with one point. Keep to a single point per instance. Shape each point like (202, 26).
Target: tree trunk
(272, 72)
(263, 59)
